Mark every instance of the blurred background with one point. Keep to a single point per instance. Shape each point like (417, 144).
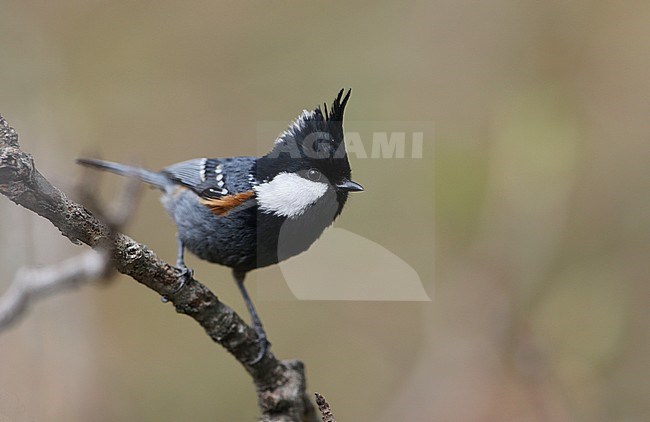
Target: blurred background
(535, 178)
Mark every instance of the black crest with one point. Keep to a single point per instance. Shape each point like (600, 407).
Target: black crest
(316, 134)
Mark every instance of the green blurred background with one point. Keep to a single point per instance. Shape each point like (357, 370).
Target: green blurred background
(538, 169)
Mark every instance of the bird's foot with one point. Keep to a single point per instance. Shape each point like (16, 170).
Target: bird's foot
(187, 274)
(263, 343)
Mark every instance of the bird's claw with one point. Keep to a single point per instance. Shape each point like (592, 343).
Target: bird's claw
(264, 346)
(187, 274)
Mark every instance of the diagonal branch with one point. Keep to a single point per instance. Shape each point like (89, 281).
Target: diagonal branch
(30, 284)
(280, 385)
(33, 283)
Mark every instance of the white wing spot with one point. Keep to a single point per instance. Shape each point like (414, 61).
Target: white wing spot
(202, 172)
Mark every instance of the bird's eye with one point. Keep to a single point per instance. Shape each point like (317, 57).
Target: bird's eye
(314, 175)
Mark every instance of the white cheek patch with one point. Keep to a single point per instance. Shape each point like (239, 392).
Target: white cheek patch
(288, 195)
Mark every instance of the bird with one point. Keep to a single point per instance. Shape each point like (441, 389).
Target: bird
(250, 212)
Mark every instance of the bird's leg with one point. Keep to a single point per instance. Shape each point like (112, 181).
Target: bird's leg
(257, 323)
(186, 273)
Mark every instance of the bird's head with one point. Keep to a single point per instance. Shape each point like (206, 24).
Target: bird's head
(308, 161)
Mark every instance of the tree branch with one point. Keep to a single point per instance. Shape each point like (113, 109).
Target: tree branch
(281, 385)
(33, 283)
(324, 408)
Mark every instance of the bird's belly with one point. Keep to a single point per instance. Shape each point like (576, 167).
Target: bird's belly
(243, 239)
(227, 240)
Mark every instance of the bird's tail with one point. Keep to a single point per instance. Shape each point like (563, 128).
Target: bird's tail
(153, 178)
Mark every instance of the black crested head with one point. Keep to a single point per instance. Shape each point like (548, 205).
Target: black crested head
(314, 141)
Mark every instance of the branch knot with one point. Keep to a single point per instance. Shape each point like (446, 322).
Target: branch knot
(16, 171)
(8, 136)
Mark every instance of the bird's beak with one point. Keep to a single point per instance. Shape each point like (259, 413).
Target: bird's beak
(349, 186)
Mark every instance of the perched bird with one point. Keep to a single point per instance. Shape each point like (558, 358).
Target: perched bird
(250, 212)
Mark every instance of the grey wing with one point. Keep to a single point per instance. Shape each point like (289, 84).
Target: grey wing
(203, 175)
